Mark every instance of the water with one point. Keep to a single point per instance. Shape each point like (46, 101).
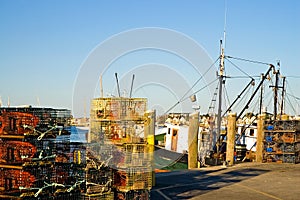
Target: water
(78, 135)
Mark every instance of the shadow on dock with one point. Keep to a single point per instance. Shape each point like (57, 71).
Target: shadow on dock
(187, 184)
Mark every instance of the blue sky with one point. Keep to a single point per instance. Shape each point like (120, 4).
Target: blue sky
(44, 43)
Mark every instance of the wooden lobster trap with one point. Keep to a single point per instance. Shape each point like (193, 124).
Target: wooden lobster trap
(118, 108)
(133, 179)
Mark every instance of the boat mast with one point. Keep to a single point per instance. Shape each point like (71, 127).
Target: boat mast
(275, 88)
(276, 94)
(261, 96)
(256, 90)
(282, 97)
(221, 80)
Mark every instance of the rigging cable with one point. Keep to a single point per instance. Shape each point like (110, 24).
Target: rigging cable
(292, 94)
(269, 103)
(189, 97)
(255, 104)
(288, 85)
(268, 95)
(184, 96)
(247, 60)
(243, 77)
(238, 68)
(290, 103)
(226, 97)
(296, 100)
(242, 98)
(258, 99)
(202, 88)
(211, 108)
(237, 98)
(199, 79)
(293, 76)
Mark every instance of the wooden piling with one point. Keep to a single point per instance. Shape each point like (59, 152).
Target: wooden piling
(260, 138)
(193, 140)
(231, 130)
(149, 131)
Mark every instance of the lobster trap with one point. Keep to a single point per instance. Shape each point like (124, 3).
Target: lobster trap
(105, 196)
(117, 120)
(281, 141)
(37, 160)
(136, 194)
(133, 179)
(134, 155)
(117, 141)
(41, 122)
(118, 108)
(117, 132)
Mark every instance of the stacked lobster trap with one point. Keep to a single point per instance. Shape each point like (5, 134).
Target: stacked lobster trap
(118, 150)
(282, 141)
(37, 159)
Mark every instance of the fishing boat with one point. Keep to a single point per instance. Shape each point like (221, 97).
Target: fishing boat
(213, 125)
(171, 142)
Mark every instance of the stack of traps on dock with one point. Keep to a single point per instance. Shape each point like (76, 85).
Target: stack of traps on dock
(119, 143)
(38, 160)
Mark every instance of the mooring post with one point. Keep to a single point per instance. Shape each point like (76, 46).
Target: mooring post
(231, 129)
(260, 138)
(193, 140)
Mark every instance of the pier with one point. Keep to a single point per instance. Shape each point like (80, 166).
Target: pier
(264, 181)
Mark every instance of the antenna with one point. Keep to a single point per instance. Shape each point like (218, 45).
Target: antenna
(131, 86)
(221, 81)
(84, 110)
(8, 102)
(225, 23)
(38, 101)
(101, 87)
(118, 86)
